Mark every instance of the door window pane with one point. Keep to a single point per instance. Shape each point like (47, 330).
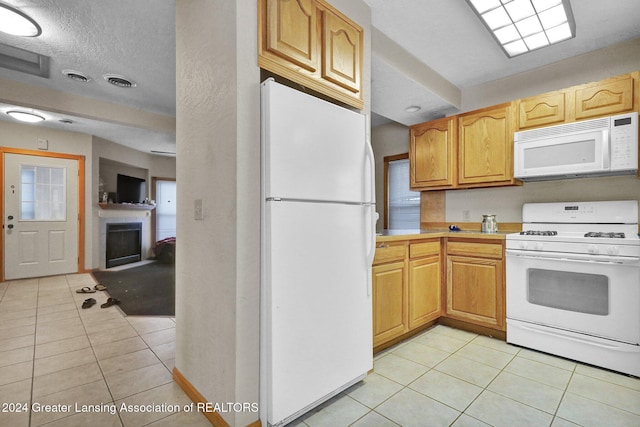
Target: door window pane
(42, 193)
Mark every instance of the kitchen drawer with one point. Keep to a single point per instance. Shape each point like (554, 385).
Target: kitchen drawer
(473, 249)
(388, 253)
(421, 249)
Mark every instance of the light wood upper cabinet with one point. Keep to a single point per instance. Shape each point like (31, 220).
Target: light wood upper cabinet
(485, 144)
(291, 32)
(608, 97)
(311, 43)
(541, 110)
(342, 49)
(432, 154)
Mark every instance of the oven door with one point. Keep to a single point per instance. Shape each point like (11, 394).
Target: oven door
(576, 293)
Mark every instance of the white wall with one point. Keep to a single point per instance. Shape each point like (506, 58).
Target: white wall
(218, 162)
(506, 202)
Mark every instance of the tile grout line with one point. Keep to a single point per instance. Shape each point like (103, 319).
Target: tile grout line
(82, 320)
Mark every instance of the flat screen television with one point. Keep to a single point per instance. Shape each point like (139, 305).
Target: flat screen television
(130, 189)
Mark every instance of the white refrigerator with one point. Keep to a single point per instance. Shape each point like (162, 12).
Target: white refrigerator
(318, 242)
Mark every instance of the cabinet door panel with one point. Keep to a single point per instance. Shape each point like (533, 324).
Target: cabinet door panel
(474, 290)
(605, 98)
(541, 110)
(291, 31)
(485, 140)
(389, 318)
(424, 290)
(432, 153)
(342, 49)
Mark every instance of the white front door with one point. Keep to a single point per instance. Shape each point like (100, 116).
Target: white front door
(40, 216)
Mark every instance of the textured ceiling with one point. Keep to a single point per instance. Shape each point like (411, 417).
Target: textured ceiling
(420, 46)
(132, 38)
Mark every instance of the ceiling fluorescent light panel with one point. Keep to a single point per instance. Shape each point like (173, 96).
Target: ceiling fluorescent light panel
(521, 26)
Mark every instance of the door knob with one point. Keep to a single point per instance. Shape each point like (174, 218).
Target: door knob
(10, 217)
(10, 226)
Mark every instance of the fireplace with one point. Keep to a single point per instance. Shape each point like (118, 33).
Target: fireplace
(124, 243)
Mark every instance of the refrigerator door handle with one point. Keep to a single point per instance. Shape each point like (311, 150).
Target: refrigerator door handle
(372, 174)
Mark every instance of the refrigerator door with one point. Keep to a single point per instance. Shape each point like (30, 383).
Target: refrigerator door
(312, 149)
(317, 289)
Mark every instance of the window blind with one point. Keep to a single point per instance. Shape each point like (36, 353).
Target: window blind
(404, 204)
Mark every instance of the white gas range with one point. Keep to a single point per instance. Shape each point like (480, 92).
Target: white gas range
(573, 282)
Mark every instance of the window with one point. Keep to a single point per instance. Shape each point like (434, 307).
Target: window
(402, 205)
(165, 209)
(43, 193)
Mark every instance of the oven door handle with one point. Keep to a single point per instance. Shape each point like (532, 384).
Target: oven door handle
(587, 259)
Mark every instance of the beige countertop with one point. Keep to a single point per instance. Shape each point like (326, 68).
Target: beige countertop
(397, 235)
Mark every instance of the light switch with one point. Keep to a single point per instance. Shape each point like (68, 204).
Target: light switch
(43, 144)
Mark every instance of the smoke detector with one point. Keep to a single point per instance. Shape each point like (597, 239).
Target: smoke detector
(120, 81)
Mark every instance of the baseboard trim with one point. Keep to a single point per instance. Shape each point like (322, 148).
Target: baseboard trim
(212, 416)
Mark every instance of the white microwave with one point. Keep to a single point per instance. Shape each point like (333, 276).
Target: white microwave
(598, 147)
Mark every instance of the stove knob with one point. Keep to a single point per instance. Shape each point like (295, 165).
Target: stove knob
(592, 249)
(613, 250)
(523, 245)
(538, 246)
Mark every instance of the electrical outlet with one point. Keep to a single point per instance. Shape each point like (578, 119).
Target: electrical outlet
(198, 209)
(466, 216)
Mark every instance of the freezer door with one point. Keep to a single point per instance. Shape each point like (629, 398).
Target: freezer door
(312, 149)
(317, 300)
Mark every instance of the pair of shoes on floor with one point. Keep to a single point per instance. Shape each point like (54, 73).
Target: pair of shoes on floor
(88, 290)
(89, 302)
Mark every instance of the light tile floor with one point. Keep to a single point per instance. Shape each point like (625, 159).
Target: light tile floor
(53, 352)
(83, 363)
(446, 376)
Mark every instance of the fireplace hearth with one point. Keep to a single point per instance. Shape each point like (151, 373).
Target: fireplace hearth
(124, 243)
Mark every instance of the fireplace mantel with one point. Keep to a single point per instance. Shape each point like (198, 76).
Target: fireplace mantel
(126, 206)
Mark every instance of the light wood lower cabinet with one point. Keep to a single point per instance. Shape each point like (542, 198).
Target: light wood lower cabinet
(412, 285)
(407, 283)
(475, 283)
(389, 302)
(425, 282)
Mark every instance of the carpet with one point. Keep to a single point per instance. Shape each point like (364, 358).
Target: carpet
(148, 290)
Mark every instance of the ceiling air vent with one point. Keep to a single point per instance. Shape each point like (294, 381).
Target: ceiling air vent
(119, 81)
(76, 76)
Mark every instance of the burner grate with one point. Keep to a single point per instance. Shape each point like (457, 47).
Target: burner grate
(538, 233)
(610, 235)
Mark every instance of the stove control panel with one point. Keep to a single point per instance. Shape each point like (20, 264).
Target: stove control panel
(616, 212)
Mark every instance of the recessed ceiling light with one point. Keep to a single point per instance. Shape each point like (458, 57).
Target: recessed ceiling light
(76, 76)
(23, 116)
(521, 26)
(17, 23)
(413, 109)
(120, 81)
